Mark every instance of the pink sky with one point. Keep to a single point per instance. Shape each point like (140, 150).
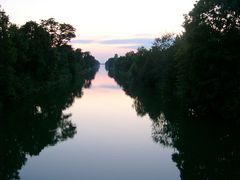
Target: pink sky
(106, 20)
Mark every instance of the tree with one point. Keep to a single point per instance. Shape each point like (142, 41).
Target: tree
(164, 42)
(4, 24)
(61, 34)
(35, 44)
(6, 45)
(220, 15)
(35, 58)
(208, 61)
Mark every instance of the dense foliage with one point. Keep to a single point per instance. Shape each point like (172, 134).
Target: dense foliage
(37, 62)
(199, 68)
(36, 57)
(187, 85)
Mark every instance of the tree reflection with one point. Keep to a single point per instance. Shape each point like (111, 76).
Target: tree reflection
(26, 128)
(207, 147)
(160, 131)
(207, 152)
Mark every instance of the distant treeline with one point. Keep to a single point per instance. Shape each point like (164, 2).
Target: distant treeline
(36, 57)
(199, 69)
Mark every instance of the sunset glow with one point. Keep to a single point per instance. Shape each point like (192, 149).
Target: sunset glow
(106, 20)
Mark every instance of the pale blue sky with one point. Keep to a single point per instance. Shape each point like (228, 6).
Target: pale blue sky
(106, 27)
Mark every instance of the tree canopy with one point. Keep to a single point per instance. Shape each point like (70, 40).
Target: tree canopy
(36, 57)
(61, 33)
(199, 67)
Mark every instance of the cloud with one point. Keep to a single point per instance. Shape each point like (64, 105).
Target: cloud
(136, 42)
(103, 86)
(83, 41)
(130, 47)
(140, 41)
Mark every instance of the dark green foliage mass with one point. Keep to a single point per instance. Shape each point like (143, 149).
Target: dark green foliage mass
(209, 57)
(60, 34)
(189, 85)
(36, 58)
(199, 68)
(38, 67)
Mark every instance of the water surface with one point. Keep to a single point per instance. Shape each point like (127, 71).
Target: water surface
(111, 141)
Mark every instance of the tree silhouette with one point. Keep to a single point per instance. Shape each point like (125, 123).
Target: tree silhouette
(61, 34)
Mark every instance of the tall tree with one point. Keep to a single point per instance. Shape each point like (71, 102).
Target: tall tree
(61, 34)
(209, 56)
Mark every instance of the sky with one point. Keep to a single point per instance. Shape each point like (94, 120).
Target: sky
(106, 27)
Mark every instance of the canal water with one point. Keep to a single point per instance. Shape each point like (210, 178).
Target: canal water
(111, 142)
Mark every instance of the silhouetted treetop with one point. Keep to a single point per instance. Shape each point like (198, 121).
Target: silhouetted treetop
(36, 57)
(164, 42)
(220, 15)
(200, 67)
(61, 34)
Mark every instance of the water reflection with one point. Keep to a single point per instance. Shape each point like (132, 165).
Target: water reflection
(28, 127)
(206, 147)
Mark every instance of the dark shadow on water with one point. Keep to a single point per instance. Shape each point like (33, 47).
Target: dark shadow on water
(27, 127)
(207, 147)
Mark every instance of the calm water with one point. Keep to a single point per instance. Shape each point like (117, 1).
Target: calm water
(111, 142)
(105, 133)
